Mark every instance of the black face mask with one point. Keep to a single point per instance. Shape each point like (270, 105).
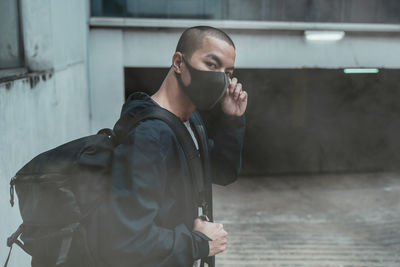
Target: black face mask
(206, 88)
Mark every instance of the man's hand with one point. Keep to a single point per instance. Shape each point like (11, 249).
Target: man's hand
(234, 102)
(214, 231)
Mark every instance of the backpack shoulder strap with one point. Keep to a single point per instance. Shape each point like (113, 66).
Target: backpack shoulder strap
(202, 136)
(185, 140)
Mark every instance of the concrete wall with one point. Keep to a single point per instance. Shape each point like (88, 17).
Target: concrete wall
(106, 77)
(272, 49)
(50, 105)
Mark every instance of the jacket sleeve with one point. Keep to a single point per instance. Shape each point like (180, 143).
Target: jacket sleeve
(139, 180)
(226, 149)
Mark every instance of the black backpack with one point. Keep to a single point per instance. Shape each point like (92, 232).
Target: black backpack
(58, 190)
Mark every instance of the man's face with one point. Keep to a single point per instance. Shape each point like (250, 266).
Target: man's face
(214, 55)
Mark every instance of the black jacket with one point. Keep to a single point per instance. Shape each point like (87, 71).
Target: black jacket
(149, 218)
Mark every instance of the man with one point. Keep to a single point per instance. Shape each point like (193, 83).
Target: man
(153, 218)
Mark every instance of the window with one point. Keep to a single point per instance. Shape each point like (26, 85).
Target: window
(11, 51)
(339, 11)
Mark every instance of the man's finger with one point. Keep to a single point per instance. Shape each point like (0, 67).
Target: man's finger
(232, 85)
(237, 91)
(224, 241)
(243, 96)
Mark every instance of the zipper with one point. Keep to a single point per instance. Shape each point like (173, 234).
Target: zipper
(35, 178)
(15, 180)
(12, 191)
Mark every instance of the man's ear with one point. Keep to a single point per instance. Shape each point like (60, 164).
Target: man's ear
(177, 62)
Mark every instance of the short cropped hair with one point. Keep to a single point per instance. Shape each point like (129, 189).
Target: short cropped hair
(192, 39)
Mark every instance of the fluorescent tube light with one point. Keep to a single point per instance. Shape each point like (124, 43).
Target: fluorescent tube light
(360, 70)
(324, 35)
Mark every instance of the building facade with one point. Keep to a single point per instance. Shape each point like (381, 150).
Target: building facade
(66, 68)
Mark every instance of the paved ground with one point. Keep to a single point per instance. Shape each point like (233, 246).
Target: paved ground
(327, 220)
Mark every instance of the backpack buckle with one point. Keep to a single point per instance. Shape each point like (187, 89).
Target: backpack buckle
(110, 133)
(14, 237)
(203, 203)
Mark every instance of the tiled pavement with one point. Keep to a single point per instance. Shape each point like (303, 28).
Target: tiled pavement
(327, 220)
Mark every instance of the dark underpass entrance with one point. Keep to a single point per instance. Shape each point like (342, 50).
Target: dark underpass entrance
(310, 120)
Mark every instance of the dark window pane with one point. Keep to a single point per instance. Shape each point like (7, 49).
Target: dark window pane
(108, 8)
(244, 10)
(327, 11)
(10, 49)
(361, 10)
(346, 11)
(148, 9)
(187, 9)
(297, 10)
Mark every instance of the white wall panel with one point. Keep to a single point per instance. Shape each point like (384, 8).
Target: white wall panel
(68, 32)
(106, 77)
(273, 49)
(37, 34)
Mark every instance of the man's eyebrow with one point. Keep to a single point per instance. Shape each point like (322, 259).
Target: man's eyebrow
(216, 58)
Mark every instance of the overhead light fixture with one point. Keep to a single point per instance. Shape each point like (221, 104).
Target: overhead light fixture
(360, 70)
(324, 35)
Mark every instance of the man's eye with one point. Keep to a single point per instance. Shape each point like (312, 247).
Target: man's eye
(229, 74)
(212, 65)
